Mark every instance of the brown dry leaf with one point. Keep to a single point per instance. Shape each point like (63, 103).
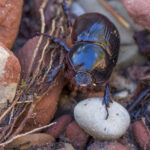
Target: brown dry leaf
(27, 141)
(10, 16)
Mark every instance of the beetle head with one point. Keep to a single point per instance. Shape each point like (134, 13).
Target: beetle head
(83, 79)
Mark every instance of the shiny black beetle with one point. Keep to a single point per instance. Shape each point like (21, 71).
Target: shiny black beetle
(94, 53)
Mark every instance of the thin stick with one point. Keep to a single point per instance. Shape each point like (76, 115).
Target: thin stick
(115, 14)
(24, 134)
(10, 107)
(138, 99)
(41, 37)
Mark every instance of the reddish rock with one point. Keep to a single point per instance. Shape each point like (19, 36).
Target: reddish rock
(59, 127)
(10, 16)
(111, 146)
(25, 55)
(45, 108)
(37, 4)
(139, 11)
(141, 135)
(76, 135)
(9, 75)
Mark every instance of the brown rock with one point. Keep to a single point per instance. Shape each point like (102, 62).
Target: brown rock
(37, 4)
(139, 11)
(10, 16)
(9, 75)
(45, 108)
(25, 55)
(59, 127)
(76, 135)
(111, 146)
(141, 135)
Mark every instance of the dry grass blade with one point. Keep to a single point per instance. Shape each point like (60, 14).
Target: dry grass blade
(20, 135)
(40, 40)
(115, 14)
(10, 107)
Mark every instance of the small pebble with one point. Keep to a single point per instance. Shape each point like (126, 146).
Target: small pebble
(59, 127)
(110, 146)
(77, 9)
(141, 134)
(121, 95)
(91, 114)
(139, 11)
(76, 135)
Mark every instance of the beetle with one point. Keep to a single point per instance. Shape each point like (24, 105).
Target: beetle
(94, 52)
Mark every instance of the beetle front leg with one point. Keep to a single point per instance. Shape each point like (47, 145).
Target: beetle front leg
(107, 99)
(54, 72)
(55, 40)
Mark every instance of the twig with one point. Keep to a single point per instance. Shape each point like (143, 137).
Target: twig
(40, 39)
(10, 107)
(19, 129)
(11, 115)
(138, 99)
(24, 134)
(115, 14)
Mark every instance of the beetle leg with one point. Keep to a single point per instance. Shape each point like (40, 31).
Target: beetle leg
(66, 11)
(107, 99)
(54, 72)
(55, 40)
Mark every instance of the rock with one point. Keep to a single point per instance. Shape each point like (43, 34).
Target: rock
(45, 108)
(141, 134)
(111, 146)
(139, 11)
(121, 83)
(37, 4)
(76, 135)
(10, 16)
(26, 141)
(138, 72)
(25, 55)
(91, 114)
(67, 146)
(59, 127)
(121, 95)
(77, 9)
(9, 76)
(128, 55)
(143, 42)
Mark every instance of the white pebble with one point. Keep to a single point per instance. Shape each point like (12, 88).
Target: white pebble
(90, 114)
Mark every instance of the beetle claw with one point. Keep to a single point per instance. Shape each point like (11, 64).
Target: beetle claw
(107, 99)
